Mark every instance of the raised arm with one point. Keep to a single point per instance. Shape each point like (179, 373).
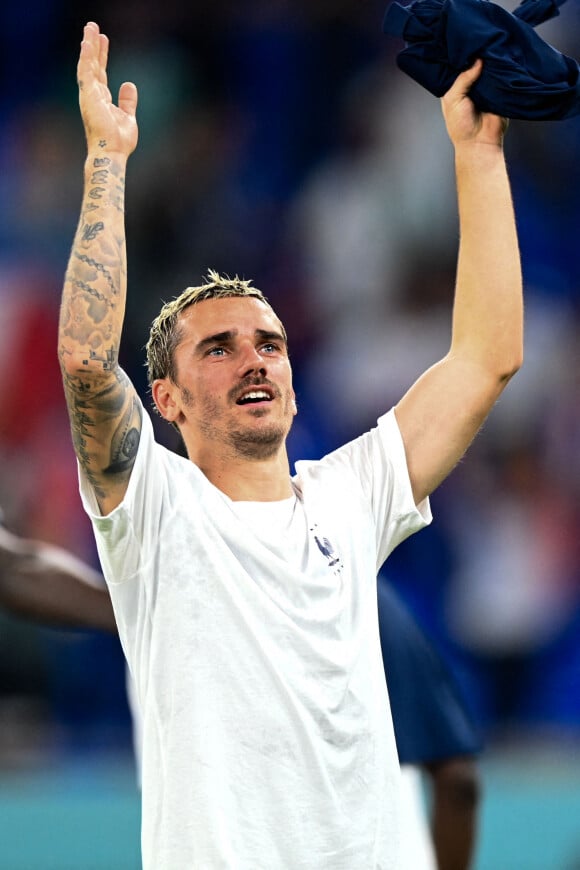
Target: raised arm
(102, 403)
(444, 409)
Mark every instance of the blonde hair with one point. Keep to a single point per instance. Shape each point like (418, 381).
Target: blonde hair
(165, 333)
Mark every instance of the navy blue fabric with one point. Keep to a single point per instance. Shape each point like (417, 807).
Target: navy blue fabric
(429, 716)
(523, 77)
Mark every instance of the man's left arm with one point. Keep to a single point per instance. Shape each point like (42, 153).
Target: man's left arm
(443, 411)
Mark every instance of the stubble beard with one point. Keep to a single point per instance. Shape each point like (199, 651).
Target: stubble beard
(247, 442)
(256, 444)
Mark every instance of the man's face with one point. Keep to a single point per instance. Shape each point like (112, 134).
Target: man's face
(234, 378)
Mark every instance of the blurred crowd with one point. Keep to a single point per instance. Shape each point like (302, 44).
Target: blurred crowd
(279, 141)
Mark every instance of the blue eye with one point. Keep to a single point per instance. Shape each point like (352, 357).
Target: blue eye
(216, 351)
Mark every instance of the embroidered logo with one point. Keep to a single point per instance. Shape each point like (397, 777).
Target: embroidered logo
(326, 549)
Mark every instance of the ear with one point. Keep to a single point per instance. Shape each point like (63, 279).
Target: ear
(166, 395)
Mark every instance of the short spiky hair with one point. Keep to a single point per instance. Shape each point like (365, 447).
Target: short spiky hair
(165, 333)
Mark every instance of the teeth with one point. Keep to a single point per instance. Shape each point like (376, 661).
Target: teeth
(256, 394)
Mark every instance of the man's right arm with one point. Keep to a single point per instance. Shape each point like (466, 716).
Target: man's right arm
(104, 409)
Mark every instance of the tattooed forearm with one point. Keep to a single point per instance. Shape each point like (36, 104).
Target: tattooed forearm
(103, 169)
(104, 410)
(87, 288)
(94, 288)
(100, 176)
(91, 231)
(98, 267)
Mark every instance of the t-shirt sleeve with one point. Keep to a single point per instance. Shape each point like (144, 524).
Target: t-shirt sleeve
(390, 485)
(373, 472)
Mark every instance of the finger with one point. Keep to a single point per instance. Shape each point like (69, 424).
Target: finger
(128, 98)
(91, 29)
(103, 57)
(91, 37)
(88, 54)
(466, 79)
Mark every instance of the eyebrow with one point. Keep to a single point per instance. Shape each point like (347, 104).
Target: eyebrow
(270, 335)
(229, 334)
(217, 338)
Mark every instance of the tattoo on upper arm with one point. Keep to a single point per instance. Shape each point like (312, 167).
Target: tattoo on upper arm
(104, 409)
(112, 407)
(125, 441)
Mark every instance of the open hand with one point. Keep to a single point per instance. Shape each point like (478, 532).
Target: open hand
(108, 127)
(464, 122)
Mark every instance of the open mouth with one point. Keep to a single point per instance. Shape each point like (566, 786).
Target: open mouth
(254, 397)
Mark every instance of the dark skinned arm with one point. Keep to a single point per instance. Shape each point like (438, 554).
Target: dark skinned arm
(50, 586)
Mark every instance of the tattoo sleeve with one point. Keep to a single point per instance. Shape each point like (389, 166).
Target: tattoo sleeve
(103, 406)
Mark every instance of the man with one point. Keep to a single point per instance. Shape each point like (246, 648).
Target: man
(246, 598)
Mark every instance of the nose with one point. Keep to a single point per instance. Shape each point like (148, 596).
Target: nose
(250, 360)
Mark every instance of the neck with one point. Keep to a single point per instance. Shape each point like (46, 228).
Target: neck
(243, 479)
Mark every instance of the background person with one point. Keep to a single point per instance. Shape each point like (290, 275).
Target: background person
(47, 584)
(436, 736)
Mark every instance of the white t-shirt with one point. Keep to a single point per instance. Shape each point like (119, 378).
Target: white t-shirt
(254, 646)
(417, 850)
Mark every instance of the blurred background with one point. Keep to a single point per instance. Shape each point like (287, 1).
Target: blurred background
(279, 141)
